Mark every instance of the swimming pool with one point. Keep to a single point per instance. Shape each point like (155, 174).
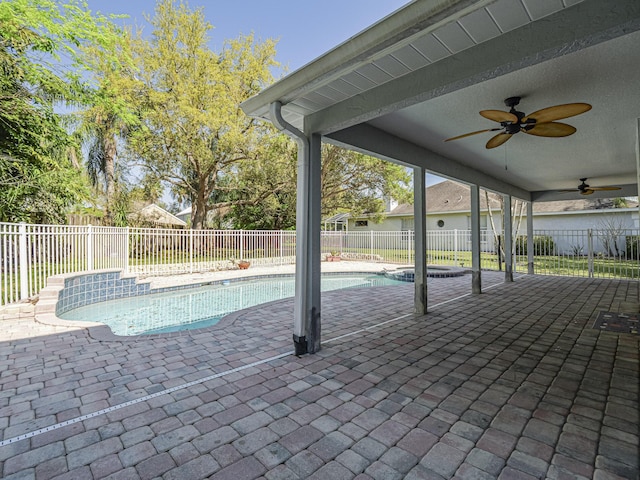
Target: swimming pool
(204, 305)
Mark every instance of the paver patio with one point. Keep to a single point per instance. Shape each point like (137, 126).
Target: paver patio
(513, 383)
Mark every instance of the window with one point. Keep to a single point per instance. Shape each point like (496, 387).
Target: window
(407, 225)
(483, 222)
(362, 223)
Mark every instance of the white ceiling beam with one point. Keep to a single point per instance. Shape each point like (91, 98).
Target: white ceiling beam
(571, 29)
(378, 143)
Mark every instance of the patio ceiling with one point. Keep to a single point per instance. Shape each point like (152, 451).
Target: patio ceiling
(422, 74)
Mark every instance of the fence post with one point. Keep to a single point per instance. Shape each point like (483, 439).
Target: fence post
(455, 247)
(371, 246)
(590, 251)
(190, 250)
(281, 247)
(24, 264)
(89, 247)
(241, 256)
(127, 234)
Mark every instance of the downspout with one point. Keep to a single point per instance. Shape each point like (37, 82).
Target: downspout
(302, 282)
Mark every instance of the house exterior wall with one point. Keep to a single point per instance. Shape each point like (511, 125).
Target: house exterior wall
(579, 221)
(608, 225)
(610, 229)
(389, 224)
(451, 221)
(596, 219)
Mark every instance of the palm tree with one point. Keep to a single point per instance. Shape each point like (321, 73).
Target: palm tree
(99, 132)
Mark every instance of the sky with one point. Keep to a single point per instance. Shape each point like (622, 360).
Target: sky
(305, 29)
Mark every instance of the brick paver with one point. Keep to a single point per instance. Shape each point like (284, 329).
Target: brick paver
(513, 383)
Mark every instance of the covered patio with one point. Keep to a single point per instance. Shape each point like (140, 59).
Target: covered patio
(422, 75)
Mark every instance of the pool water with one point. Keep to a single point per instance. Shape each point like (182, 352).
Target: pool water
(203, 306)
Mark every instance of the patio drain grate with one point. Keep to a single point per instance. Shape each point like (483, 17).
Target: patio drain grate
(617, 322)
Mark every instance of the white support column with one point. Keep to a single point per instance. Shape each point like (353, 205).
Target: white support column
(530, 246)
(306, 307)
(314, 249)
(301, 303)
(476, 269)
(420, 224)
(508, 240)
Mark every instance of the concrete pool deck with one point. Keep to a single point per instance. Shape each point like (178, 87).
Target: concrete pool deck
(513, 383)
(327, 267)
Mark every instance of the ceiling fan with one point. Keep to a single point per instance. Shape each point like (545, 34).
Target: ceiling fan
(585, 189)
(541, 123)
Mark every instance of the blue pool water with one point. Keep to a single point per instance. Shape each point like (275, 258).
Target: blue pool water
(203, 306)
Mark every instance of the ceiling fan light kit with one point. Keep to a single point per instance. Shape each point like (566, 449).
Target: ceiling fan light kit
(541, 123)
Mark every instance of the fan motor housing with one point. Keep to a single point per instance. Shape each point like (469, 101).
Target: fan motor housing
(512, 128)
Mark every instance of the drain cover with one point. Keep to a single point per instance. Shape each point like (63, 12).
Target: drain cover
(617, 322)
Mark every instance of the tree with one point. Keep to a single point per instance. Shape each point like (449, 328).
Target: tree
(194, 133)
(38, 178)
(350, 182)
(264, 188)
(612, 232)
(517, 213)
(105, 122)
(356, 183)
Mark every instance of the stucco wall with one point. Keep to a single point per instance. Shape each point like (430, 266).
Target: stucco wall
(598, 219)
(624, 219)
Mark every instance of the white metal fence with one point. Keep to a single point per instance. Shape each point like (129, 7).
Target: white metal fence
(31, 253)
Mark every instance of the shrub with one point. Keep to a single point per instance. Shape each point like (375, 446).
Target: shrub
(542, 245)
(632, 246)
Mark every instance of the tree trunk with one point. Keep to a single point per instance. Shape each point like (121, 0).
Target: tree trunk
(110, 177)
(199, 211)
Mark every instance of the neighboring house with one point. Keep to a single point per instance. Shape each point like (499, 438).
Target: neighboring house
(185, 215)
(148, 216)
(449, 206)
(213, 218)
(154, 216)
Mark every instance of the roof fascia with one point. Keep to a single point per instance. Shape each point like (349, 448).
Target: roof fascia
(400, 26)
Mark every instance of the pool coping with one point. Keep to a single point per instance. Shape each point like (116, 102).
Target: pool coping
(45, 308)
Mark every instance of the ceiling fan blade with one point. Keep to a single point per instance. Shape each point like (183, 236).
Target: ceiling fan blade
(587, 191)
(599, 189)
(499, 116)
(472, 133)
(498, 140)
(558, 112)
(551, 129)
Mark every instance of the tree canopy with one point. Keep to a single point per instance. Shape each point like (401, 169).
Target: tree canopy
(194, 133)
(350, 182)
(40, 67)
(163, 105)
